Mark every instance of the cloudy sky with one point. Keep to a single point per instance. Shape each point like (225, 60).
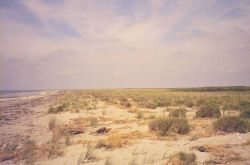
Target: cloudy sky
(57, 44)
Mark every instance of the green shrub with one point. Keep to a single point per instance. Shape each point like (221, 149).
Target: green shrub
(51, 110)
(210, 111)
(243, 105)
(229, 106)
(103, 112)
(178, 101)
(52, 123)
(149, 105)
(67, 140)
(200, 101)
(180, 113)
(93, 122)
(245, 113)
(54, 150)
(231, 124)
(189, 104)
(89, 155)
(182, 158)
(57, 109)
(125, 104)
(29, 153)
(123, 99)
(162, 103)
(139, 115)
(165, 126)
(11, 147)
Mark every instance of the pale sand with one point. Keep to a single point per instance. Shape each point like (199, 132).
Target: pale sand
(25, 117)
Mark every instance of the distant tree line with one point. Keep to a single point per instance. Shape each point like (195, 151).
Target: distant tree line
(214, 89)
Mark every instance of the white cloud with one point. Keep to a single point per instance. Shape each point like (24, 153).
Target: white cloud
(154, 39)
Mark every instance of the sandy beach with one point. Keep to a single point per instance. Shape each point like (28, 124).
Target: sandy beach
(129, 139)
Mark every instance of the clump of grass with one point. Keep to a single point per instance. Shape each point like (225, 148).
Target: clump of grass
(189, 104)
(193, 138)
(148, 104)
(119, 140)
(180, 113)
(182, 158)
(166, 126)
(229, 106)
(208, 111)
(11, 147)
(93, 122)
(103, 112)
(57, 109)
(67, 140)
(231, 124)
(162, 102)
(80, 158)
(245, 113)
(91, 105)
(9, 152)
(53, 148)
(132, 162)
(152, 116)
(51, 110)
(108, 161)
(220, 154)
(52, 123)
(125, 103)
(29, 153)
(244, 105)
(200, 101)
(139, 115)
(89, 154)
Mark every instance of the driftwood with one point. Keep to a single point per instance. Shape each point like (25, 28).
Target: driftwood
(69, 130)
(6, 156)
(103, 130)
(74, 131)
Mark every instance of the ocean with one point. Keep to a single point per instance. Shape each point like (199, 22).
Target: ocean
(18, 93)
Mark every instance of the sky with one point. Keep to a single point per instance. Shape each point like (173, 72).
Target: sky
(65, 44)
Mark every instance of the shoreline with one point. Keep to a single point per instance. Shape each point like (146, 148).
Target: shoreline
(40, 94)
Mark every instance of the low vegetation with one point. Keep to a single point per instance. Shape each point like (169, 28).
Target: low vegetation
(119, 140)
(140, 115)
(182, 158)
(52, 123)
(29, 152)
(125, 103)
(231, 124)
(150, 104)
(89, 154)
(53, 148)
(57, 109)
(176, 107)
(208, 111)
(162, 102)
(245, 113)
(93, 122)
(243, 105)
(189, 104)
(166, 126)
(229, 106)
(8, 152)
(67, 140)
(179, 113)
(221, 154)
